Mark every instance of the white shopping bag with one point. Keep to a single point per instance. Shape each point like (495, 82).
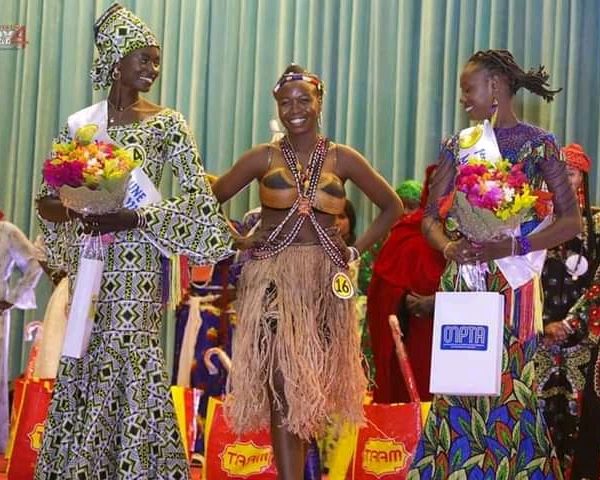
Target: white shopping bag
(83, 305)
(468, 330)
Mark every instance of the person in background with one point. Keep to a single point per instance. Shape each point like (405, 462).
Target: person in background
(406, 274)
(562, 361)
(17, 253)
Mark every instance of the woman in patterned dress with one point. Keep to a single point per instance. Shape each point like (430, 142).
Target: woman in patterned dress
(506, 436)
(562, 360)
(296, 350)
(111, 415)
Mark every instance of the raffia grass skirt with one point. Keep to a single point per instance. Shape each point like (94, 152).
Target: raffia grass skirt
(289, 321)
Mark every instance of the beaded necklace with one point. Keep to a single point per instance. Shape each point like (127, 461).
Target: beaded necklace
(306, 186)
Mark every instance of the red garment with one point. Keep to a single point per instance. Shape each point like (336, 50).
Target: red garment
(405, 264)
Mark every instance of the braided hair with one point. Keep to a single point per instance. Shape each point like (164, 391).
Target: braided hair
(502, 62)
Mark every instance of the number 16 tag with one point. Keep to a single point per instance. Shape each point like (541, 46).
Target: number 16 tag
(342, 286)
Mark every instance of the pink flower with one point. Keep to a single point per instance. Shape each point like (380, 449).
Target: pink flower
(70, 173)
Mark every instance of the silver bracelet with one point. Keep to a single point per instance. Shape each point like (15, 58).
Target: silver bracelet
(141, 219)
(354, 254)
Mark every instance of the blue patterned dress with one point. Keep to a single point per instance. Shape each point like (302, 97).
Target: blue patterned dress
(111, 415)
(502, 437)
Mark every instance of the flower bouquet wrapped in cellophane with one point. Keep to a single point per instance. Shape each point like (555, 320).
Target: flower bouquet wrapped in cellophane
(490, 200)
(91, 176)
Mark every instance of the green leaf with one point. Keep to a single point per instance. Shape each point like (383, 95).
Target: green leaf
(536, 463)
(445, 435)
(476, 460)
(541, 432)
(523, 393)
(528, 374)
(429, 460)
(430, 428)
(478, 427)
(503, 470)
(414, 475)
(483, 407)
(458, 475)
(516, 434)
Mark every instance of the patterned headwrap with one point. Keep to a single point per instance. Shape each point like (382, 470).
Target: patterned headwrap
(576, 157)
(305, 77)
(117, 32)
(410, 190)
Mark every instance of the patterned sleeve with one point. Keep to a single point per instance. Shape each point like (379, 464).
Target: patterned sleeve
(191, 223)
(442, 180)
(22, 251)
(554, 172)
(53, 234)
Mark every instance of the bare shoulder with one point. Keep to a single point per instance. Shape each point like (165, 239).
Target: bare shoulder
(346, 152)
(350, 162)
(256, 160)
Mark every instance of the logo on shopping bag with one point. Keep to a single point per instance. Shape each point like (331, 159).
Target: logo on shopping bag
(464, 337)
(35, 436)
(384, 456)
(242, 459)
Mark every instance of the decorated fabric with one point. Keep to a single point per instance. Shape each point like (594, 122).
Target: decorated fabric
(501, 437)
(111, 415)
(561, 368)
(118, 32)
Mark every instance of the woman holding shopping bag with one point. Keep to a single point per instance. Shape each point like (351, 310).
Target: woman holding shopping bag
(504, 436)
(111, 415)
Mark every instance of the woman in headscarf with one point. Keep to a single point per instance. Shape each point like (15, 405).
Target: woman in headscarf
(17, 253)
(562, 360)
(111, 414)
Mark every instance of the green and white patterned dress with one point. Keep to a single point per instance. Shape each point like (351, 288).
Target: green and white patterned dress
(111, 416)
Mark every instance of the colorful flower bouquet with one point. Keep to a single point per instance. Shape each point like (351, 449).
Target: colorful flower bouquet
(491, 200)
(91, 176)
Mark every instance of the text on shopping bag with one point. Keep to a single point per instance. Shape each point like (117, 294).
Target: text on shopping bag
(384, 456)
(464, 337)
(243, 459)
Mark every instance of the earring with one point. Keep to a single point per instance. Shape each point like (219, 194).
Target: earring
(320, 119)
(116, 74)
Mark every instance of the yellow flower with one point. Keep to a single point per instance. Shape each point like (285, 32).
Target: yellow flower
(85, 134)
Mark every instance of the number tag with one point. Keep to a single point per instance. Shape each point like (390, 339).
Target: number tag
(342, 286)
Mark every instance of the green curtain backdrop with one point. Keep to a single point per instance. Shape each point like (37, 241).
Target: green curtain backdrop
(391, 69)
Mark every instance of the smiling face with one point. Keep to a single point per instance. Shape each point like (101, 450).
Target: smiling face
(299, 105)
(140, 68)
(477, 91)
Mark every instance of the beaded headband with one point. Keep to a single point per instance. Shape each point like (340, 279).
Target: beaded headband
(304, 77)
